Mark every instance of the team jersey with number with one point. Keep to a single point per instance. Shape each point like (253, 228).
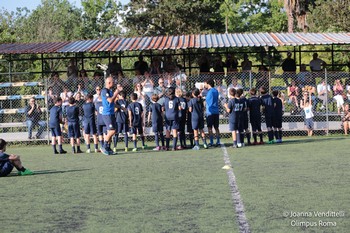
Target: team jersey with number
(171, 107)
(266, 101)
(99, 110)
(156, 110)
(197, 108)
(254, 104)
(121, 114)
(89, 111)
(136, 112)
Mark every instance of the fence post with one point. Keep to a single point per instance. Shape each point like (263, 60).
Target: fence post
(46, 80)
(327, 112)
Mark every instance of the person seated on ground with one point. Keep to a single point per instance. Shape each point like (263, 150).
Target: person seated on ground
(8, 162)
(148, 85)
(293, 93)
(346, 119)
(338, 94)
(56, 83)
(302, 76)
(114, 67)
(72, 73)
(289, 68)
(316, 64)
(235, 85)
(323, 91)
(141, 65)
(33, 114)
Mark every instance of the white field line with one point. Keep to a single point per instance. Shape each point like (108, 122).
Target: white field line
(236, 197)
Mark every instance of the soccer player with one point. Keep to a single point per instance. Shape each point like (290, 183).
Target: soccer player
(171, 107)
(54, 124)
(244, 100)
(121, 116)
(277, 116)
(90, 123)
(101, 127)
(212, 111)
(266, 101)
(7, 162)
(189, 119)
(182, 119)
(136, 116)
(157, 121)
(72, 112)
(108, 99)
(195, 107)
(254, 104)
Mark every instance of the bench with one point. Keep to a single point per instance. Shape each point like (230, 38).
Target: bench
(21, 97)
(21, 84)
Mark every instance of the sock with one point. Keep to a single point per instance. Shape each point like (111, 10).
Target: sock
(135, 143)
(238, 138)
(270, 135)
(218, 139)
(276, 135)
(196, 142)
(54, 147)
(73, 149)
(211, 140)
(143, 140)
(179, 138)
(167, 141)
(261, 137)
(88, 146)
(96, 146)
(78, 148)
(60, 147)
(174, 142)
(107, 145)
(184, 139)
(204, 140)
(241, 136)
(235, 142)
(126, 140)
(162, 138)
(101, 144)
(191, 139)
(156, 137)
(255, 137)
(280, 134)
(115, 140)
(248, 137)
(21, 169)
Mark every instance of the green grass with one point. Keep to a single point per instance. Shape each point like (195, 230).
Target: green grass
(183, 191)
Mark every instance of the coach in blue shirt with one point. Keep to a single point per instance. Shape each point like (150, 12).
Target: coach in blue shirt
(212, 111)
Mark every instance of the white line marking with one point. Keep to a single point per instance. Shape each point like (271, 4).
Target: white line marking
(236, 197)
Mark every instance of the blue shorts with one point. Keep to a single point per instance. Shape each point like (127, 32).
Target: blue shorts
(197, 124)
(171, 124)
(74, 130)
(56, 131)
(236, 126)
(182, 124)
(110, 121)
(101, 129)
(309, 123)
(213, 120)
(268, 121)
(277, 122)
(256, 124)
(136, 130)
(122, 128)
(6, 168)
(90, 127)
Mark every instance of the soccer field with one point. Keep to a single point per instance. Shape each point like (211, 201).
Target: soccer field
(301, 185)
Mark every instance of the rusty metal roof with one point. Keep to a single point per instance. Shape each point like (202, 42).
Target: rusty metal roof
(179, 42)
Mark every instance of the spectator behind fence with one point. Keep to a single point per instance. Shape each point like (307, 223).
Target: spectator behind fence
(83, 79)
(218, 67)
(262, 79)
(141, 65)
(120, 79)
(140, 95)
(160, 91)
(317, 64)
(323, 91)
(72, 73)
(293, 93)
(155, 67)
(33, 114)
(204, 67)
(235, 85)
(169, 64)
(180, 78)
(311, 88)
(289, 68)
(81, 90)
(56, 83)
(65, 95)
(97, 93)
(246, 65)
(347, 89)
(97, 80)
(137, 78)
(169, 80)
(346, 119)
(222, 89)
(50, 98)
(338, 94)
(302, 76)
(114, 67)
(231, 63)
(148, 85)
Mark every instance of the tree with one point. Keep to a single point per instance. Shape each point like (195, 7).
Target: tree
(163, 17)
(296, 12)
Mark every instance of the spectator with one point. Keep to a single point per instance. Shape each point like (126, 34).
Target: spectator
(302, 76)
(137, 78)
(114, 67)
(235, 85)
(120, 79)
(323, 91)
(180, 76)
(346, 119)
(148, 85)
(160, 90)
(246, 65)
(222, 94)
(311, 88)
(316, 64)
(169, 80)
(56, 83)
(81, 90)
(97, 80)
(219, 68)
(231, 63)
(65, 95)
(72, 73)
(263, 78)
(33, 114)
(293, 93)
(338, 93)
(79, 101)
(83, 79)
(140, 95)
(306, 105)
(169, 64)
(97, 94)
(204, 67)
(141, 65)
(155, 67)
(289, 68)
(347, 89)
(50, 98)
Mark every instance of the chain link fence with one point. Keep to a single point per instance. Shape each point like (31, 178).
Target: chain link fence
(24, 106)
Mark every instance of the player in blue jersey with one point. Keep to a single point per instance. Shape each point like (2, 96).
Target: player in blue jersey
(245, 118)
(108, 99)
(136, 119)
(189, 119)
(156, 114)
(54, 124)
(266, 101)
(171, 107)
(90, 123)
(72, 112)
(277, 116)
(196, 108)
(9, 161)
(254, 105)
(182, 119)
(121, 116)
(101, 127)
(212, 111)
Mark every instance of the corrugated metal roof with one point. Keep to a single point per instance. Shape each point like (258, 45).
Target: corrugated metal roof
(180, 42)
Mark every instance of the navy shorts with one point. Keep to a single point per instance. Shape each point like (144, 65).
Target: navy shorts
(122, 128)
(213, 120)
(157, 127)
(6, 168)
(182, 124)
(236, 126)
(309, 123)
(90, 127)
(277, 122)
(256, 124)
(245, 121)
(197, 124)
(268, 121)
(171, 124)
(56, 131)
(74, 130)
(110, 121)
(101, 129)
(136, 130)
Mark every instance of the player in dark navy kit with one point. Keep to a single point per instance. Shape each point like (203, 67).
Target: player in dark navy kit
(182, 119)
(101, 127)
(171, 107)
(136, 119)
(254, 105)
(266, 101)
(196, 108)
(245, 119)
(121, 116)
(72, 112)
(89, 123)
(156, 114)
(54, 124)
(277, 116)
(189, 119)
(108, 99)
